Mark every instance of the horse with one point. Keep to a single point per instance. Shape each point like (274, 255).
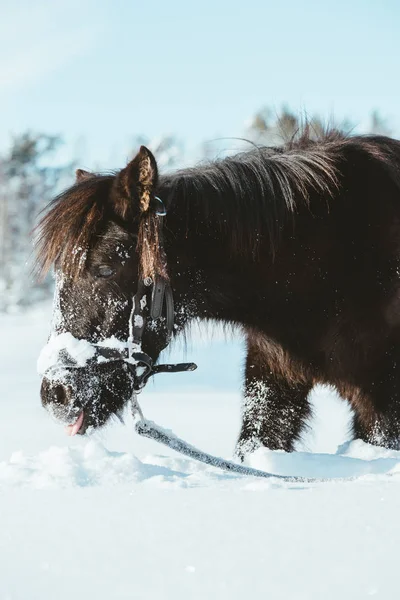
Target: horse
(297, 245)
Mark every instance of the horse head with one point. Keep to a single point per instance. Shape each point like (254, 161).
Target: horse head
(92, 235)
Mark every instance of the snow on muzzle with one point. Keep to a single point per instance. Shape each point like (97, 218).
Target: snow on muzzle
(79, 388)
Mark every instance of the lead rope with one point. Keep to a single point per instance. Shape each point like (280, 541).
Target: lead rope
(151, 430)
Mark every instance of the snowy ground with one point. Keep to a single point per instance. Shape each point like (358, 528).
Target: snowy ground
(117, 516)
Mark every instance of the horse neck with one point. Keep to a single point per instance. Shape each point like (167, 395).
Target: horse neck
(211, 268)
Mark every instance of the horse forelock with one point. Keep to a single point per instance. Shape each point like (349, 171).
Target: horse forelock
(71, 225)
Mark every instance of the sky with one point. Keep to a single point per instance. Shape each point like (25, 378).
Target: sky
(102, 72)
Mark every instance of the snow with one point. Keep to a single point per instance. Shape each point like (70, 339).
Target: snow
(51, 354)
(117, 516)
(64, 350)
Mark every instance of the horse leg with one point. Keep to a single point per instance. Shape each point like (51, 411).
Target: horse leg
(274, 409)
(377, 409)
(379, 430)
(379, 427)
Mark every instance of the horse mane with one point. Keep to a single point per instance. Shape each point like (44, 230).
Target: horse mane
(72, 221)
(252, 194)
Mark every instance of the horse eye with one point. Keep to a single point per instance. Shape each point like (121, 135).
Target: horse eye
(105, 271)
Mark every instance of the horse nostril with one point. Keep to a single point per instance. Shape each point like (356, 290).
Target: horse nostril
(60, 395)
(57, 398)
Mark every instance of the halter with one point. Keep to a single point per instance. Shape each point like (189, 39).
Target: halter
(153, 297)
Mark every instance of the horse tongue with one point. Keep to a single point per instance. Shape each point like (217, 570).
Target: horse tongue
(75, 427)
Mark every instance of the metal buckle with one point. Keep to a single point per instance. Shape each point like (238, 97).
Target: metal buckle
(162, 211)
(144, 363)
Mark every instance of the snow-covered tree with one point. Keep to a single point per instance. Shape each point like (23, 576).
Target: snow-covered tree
(271, 128)
(379, 125)
(29, 178)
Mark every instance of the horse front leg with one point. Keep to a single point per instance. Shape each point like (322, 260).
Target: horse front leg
(275, 409)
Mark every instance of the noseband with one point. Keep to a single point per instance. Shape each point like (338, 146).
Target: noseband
(153, 300)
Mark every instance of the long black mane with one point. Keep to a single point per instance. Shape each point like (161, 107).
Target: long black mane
(253, 194)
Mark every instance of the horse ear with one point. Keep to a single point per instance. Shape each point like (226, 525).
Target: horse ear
(137, 182)
(81, 174)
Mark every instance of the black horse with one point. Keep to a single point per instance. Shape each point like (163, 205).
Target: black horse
(298, 245)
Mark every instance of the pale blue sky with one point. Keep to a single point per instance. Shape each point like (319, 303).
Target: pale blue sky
(108, 70)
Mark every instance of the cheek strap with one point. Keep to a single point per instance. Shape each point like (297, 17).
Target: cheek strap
(146, 306)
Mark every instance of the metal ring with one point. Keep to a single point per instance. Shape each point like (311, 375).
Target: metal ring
(162, 211)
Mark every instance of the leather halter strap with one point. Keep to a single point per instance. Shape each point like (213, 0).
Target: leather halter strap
(146, 306)
(161, 295)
